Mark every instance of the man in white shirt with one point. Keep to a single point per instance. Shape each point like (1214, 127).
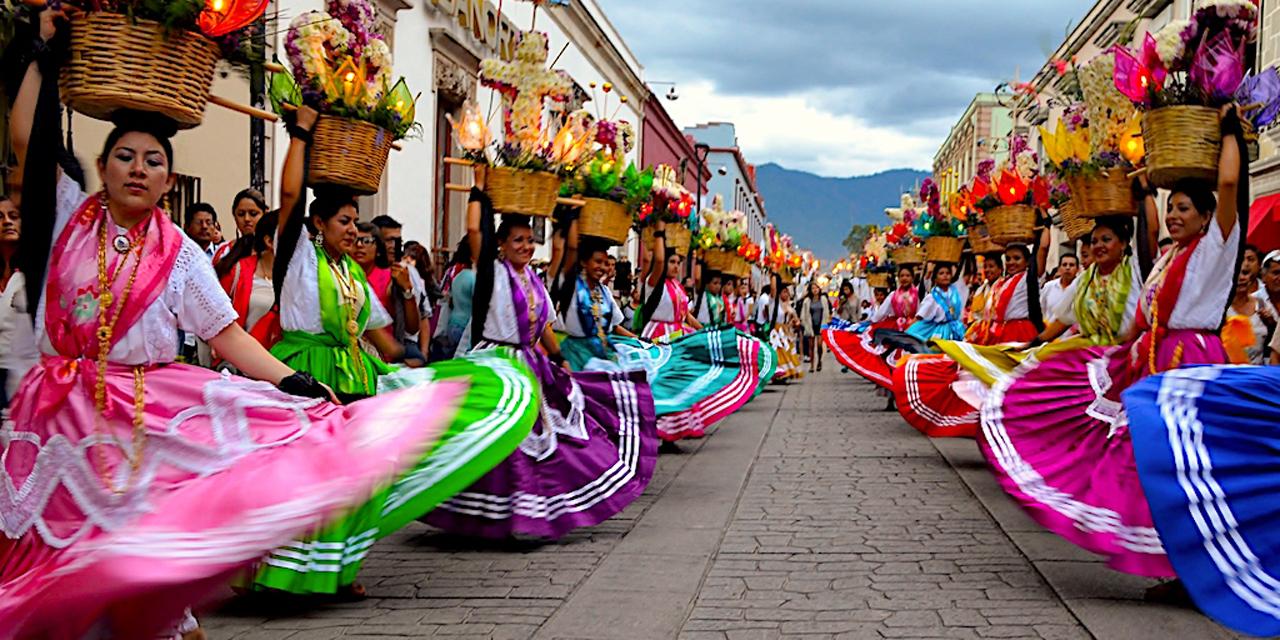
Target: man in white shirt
(764, 306)
(1054, 291)
(1268, 294)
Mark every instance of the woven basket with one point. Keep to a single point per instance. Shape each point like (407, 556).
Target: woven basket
(679, 237)
(741, 267)
(1011, 224)
(350, 153)
(1181, 142)
(116, 64)
(1074, 224)
(908, 255)
(1106, 195)
(942, 249)
(878, 280)
(605, 219)
(787, 276)
(719, 260)
(527, 193)
(980, 239)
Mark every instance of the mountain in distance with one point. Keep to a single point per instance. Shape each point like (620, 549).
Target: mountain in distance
(818, 212)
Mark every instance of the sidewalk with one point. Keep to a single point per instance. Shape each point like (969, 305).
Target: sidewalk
(809, 514)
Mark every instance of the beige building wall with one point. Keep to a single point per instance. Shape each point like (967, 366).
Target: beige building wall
(216, 152)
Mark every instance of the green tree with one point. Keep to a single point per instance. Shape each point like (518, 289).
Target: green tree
(858, 236)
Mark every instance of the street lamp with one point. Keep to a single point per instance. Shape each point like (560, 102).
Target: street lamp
(671, 93)
(700, 152)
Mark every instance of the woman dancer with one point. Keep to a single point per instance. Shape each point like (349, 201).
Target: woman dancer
(185, 476)
(710, 310)
(721, 367)
(249, 285)
(924, 385)
(589, 312)
(941, 312)
(859, 351)
(593, 448)
(815, 313)
(1055, 432)
(326, 306)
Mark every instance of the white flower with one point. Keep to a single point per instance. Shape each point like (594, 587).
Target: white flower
(1169, 44)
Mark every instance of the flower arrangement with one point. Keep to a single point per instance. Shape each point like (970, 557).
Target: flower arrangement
(341, 68)
(722, 229)
(749, 251)
(934, 222)
(525, 85)
(1262, 90)
(671, 202)
(1196, 62)
(604, 173)
(1016, 181)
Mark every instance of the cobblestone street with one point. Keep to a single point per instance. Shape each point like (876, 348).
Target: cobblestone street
(809, 514)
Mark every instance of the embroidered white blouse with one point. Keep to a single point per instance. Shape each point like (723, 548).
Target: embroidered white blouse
(1065, 312)
(932, 311)
(192, 301)
(300, 294)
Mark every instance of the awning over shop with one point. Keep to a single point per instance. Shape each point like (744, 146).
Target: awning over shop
(1264, 223)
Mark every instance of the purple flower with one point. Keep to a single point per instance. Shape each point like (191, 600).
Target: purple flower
(985, 168)
(1262, 89)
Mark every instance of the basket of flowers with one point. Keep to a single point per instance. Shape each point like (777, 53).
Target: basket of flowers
(720, 235)
(1095, 144)
(154, 57)
(1180, 78)
(1009, 197)
(942, 233)
(672, 204)
(342, 69)
(1074, 224)
(611, 188)
(525, 172)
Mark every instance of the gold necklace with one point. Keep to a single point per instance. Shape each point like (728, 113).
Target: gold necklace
(596, 300)
(347, 299)
(106, 330)
(530, 304)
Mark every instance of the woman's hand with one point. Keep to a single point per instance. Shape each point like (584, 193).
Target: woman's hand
(659, 225)
(48, 24)
(307, 117)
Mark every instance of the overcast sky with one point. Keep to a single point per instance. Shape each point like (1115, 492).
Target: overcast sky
(838, 87)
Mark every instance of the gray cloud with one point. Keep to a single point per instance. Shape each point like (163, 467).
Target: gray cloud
(890, 63)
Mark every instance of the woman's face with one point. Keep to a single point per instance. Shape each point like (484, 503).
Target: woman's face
(814, 290)
(991, 270)
(905, 278)
(10, 222)
(846, 291)
(1183, 220)
(518, 247)
(942, 276)
(744, 289)
(784, 294)
(673, 266)
(596, 267)
(1244, 281)
(340, 230)
(366, 249)
(247, 214)
(1015, 261)
(1107, 248)
(135, 172)
(1251, 262)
